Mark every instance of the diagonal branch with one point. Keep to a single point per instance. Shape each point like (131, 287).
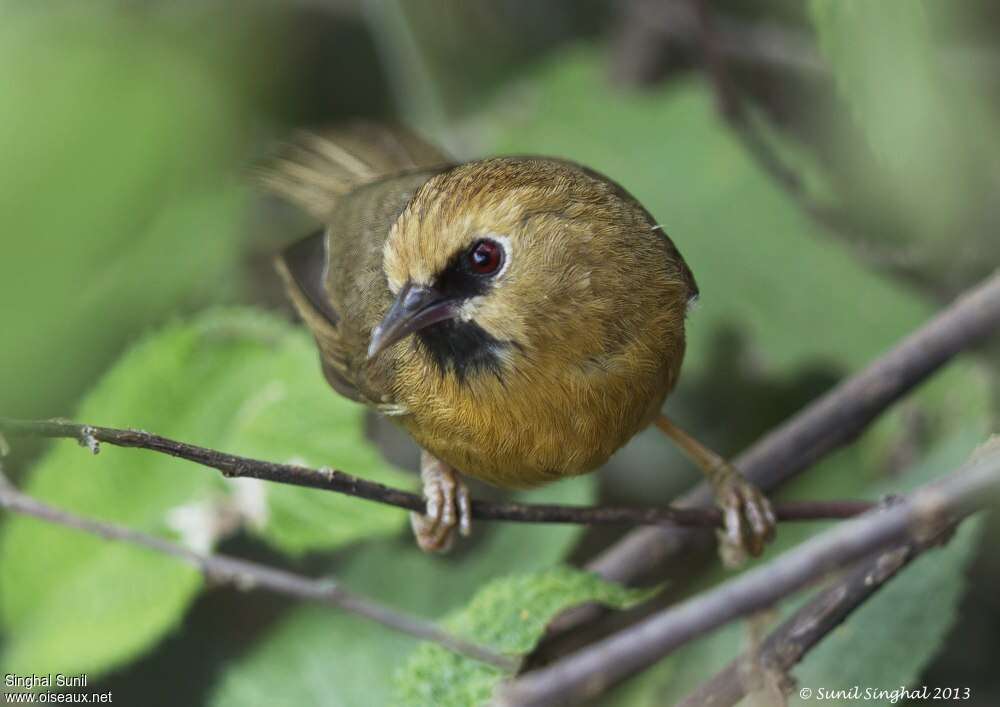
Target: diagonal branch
(921, 516)
(795, 637)
(234, 466)
(243, 574)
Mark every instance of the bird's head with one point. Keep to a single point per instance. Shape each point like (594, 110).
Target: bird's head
(502, 258)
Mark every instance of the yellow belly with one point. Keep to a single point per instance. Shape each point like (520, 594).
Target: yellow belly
(522, 434)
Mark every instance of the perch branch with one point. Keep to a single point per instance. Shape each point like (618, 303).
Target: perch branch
(924, 514)
(795, 637)
(245, 575)
(235, 466)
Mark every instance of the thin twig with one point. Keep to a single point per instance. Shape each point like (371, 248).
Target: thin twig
(234, 466)
(728, 100)
(732, 106)
(923, 514)
(648, 28)
(795, 637)
(245, 575)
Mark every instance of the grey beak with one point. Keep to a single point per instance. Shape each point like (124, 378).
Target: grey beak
(416, 307)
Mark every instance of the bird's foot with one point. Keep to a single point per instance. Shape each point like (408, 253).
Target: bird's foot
(748, 519)
(447, 509)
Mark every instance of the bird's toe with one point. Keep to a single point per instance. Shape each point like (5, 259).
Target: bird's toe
(748, 519)
(447, 510)
(430, 535)
(464, 510)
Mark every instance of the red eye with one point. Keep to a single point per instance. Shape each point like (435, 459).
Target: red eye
(485, 257)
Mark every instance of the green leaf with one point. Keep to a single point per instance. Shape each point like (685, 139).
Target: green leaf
(289, 414)
(344, 659)
(234, 380)
(883, 58)
(315, 656)
(123, 205)
(510, 614)
(926, 130)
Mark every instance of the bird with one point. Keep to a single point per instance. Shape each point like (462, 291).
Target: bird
(521, 317)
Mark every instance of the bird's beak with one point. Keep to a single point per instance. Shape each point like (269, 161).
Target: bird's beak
(415, 308)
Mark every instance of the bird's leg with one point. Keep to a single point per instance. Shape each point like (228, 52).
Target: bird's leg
(447, 505)
(749, 520)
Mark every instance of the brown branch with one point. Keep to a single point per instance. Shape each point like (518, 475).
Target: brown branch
(732, 106)
(795, 637)
(650, 32)
(245, 575)
(234, 466)
(728, 100)
(922, 515)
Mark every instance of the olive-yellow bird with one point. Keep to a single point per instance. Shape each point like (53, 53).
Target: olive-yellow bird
(521, 317)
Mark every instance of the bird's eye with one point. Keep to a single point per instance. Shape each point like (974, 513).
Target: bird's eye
(485, 257)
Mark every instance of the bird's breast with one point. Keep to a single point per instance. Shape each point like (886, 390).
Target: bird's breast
(526, 428)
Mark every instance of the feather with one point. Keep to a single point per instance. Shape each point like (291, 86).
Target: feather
(315, 170)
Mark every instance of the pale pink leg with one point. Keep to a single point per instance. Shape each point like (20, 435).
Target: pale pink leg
(447, 506)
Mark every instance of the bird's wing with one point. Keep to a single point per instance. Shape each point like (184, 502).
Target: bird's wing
(334, 277)
(302, 266)
(316, 169)
(336, 281)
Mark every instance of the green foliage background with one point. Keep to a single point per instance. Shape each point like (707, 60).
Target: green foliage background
(135, 292)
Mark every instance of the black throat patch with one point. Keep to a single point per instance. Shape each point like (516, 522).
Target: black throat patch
(464, 348)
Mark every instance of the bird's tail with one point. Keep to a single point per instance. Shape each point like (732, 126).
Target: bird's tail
(315, 169)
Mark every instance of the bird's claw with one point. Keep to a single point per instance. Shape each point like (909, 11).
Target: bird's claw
(447, 508)
(748, 519)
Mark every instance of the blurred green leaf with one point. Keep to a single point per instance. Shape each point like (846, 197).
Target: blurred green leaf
(315, 656)
(234, 380)
(508, 614)
(343, 660)
(119, 202)
(289, 414)
(928, 129)
(883, 58)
